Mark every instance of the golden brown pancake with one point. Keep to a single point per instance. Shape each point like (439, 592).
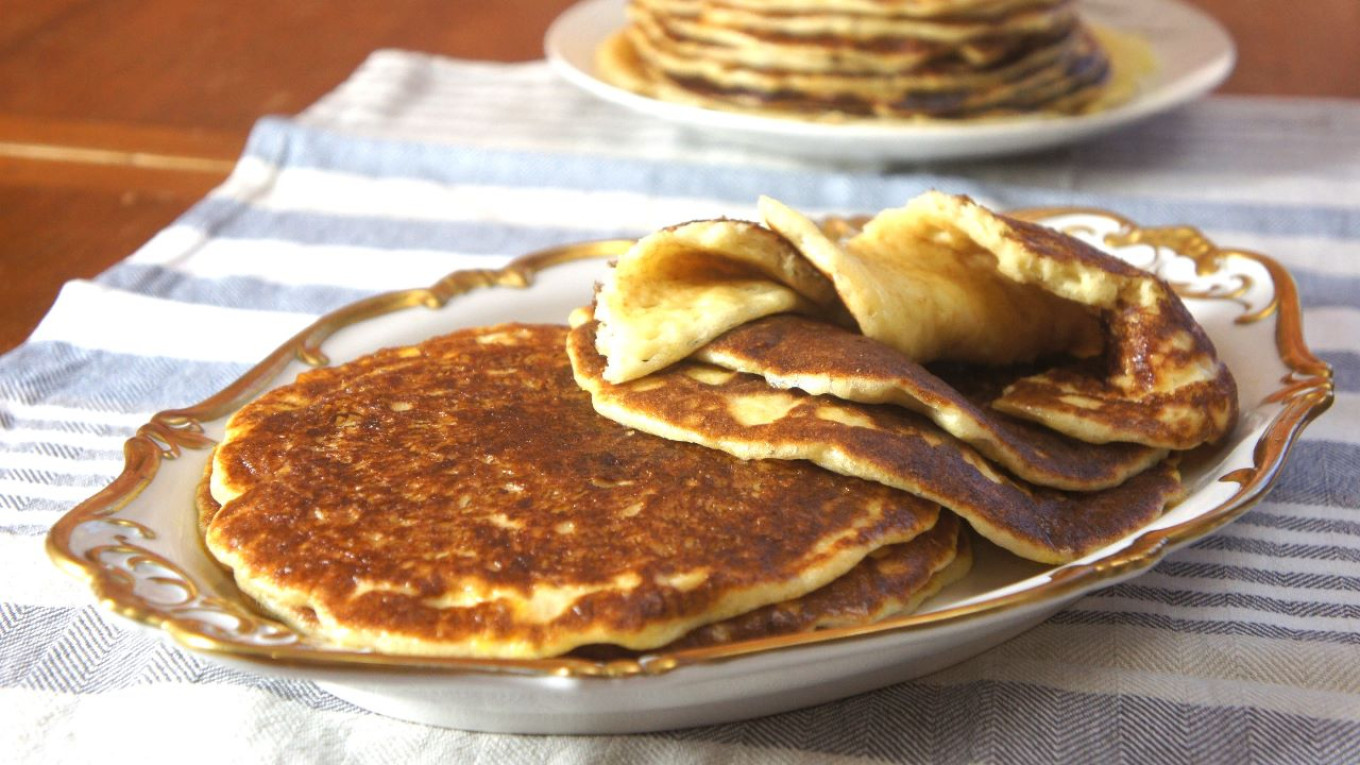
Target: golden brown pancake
(680, 287)
(928, 56)
(937, 297)
(1066, 79)
(686, 37)
(848, 60)
(1157, 379)
(892, 580)
(867, 16)
(742, 415)
(918, 297)
(944, 279)
(821, 359)
(461, 498)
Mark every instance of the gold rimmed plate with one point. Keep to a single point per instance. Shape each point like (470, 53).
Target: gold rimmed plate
(137, 543)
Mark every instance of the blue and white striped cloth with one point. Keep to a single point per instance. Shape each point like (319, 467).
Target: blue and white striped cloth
(1244, 647)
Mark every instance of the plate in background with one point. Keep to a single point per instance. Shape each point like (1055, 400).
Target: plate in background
(1194, 55)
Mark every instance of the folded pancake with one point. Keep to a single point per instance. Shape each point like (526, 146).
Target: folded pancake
(937, 297)
(821, 359)
(743, 416)
(943, 278)
(682, 286)
(461, 498)
(892, 580)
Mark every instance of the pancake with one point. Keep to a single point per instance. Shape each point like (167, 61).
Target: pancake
(686, 38)
(1039, 74)
(923, 301)
(865, 28)
(892, 580)
(849, 60)
(945, 279)
(924, 9)
(743, 416)
(872, 76)
(795, 352)
(932, 298)
(461, 498)
(1065, 76)
(810, 42)
(680, 287)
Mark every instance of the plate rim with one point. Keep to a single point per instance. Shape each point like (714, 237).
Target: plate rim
(892, 140)
(1305, 393)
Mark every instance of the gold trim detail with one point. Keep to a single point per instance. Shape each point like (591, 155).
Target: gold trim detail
(135, 582)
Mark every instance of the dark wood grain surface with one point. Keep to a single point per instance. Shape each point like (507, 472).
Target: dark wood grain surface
(116, 116)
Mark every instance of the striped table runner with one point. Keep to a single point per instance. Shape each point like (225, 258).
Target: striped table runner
(1244, 647)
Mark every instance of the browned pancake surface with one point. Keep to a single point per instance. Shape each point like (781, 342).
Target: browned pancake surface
(791, 351)
(939, 279)
(1138, 391)
(892, 580)
(461, 497)
(880, 60)
(742, 415)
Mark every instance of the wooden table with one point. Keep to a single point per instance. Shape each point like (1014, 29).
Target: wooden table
(116, 116)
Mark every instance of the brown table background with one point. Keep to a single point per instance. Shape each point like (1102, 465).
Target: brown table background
(117, 116)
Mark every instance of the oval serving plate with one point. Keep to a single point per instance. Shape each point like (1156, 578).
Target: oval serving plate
(137, 544)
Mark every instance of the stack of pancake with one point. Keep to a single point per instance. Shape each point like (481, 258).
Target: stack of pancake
(1061, 381)
(837, 59)
(461, 498)
(740, 438)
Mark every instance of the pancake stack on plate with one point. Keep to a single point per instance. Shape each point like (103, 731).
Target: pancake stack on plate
(461, 498)
(1062, 382)
(756, 429)
(882, 59)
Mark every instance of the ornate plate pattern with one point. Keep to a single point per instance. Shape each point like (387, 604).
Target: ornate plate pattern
(136, 542)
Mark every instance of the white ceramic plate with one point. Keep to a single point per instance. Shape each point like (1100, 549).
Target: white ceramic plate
(137, 543)
(1194, 55)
